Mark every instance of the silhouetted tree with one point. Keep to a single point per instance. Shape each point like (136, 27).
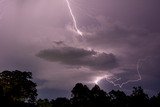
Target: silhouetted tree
(43, 103)
(17, 90)
(118, 98)
(80, 95)
(155, 101)
(1, 95)
(17, 86)
(99, 97)
(139, 98)
(61, 102)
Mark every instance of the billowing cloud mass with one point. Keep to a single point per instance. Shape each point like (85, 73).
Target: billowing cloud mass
(124, 39)
(79, 57)
(38, 36)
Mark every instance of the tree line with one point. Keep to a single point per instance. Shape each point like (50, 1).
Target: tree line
(18, 90)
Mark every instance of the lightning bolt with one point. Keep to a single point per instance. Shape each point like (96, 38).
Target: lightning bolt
(74, 19)
(107, 78)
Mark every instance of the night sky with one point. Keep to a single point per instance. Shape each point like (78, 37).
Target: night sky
(120, 38)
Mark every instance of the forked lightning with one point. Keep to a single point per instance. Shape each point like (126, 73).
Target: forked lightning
(139, 65)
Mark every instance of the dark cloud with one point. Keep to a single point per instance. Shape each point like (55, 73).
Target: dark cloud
(120, 36)
(129, 43)
(79, 57)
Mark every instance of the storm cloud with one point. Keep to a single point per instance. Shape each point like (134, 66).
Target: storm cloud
(117, 33)
(79, 57)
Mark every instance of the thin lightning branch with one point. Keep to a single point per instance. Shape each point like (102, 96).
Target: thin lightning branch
(74, 19)
(139, 64)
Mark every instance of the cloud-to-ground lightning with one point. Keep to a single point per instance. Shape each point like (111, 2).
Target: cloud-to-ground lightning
(73, 18)
(108, 78)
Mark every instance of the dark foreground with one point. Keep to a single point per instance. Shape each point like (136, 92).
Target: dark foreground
(18, 90)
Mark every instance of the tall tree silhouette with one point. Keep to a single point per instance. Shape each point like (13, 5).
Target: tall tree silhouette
(17, 86)
(80, 95)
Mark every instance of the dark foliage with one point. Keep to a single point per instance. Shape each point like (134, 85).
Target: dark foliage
(17, 90)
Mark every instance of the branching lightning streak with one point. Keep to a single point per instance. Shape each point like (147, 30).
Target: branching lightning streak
(139, 65)
(73, 18)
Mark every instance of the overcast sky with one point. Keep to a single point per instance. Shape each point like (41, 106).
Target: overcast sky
(120, 38)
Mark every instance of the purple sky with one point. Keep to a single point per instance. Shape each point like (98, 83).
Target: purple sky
(37, 36)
